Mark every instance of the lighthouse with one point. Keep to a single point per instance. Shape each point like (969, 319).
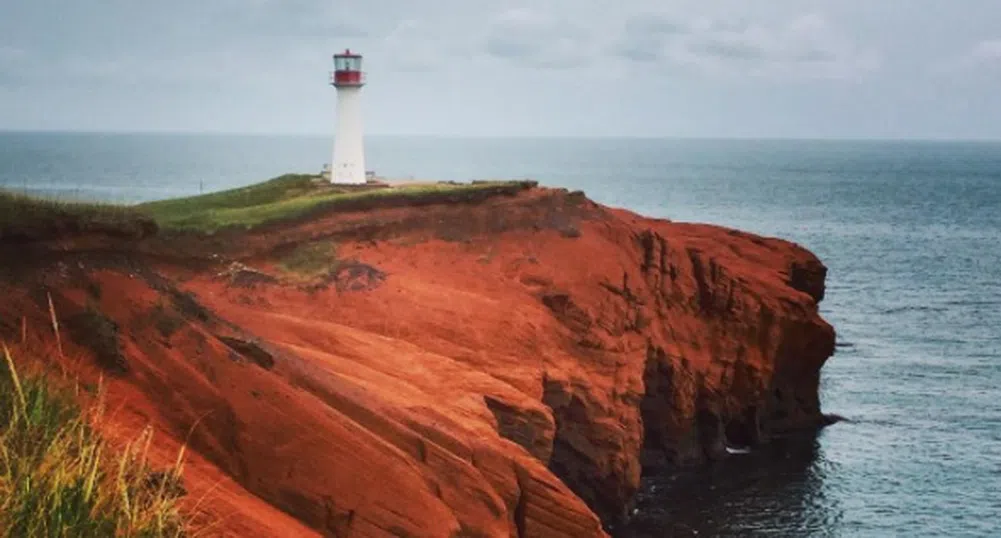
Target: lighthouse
(348, 163)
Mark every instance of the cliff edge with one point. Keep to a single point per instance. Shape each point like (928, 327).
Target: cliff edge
(504, 366)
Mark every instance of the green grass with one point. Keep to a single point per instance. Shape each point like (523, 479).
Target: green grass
(25, 217)
(268, 192)
(289, 198)
(284, 198)
(311, 260)
(59, 478)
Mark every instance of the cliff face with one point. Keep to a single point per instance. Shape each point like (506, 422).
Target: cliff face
(503, 368)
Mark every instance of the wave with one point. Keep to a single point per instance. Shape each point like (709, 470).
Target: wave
(974, 302)
(914, 308)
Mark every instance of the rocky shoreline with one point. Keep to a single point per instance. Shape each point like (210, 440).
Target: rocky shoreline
(508, 365)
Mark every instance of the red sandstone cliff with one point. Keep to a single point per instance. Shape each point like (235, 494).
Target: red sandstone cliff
(498, 368)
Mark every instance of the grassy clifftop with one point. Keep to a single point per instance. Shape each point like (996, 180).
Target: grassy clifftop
(26, 218)
(284, 198)
(293, 197)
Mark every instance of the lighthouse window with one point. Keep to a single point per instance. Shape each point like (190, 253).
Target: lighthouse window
(347, 63)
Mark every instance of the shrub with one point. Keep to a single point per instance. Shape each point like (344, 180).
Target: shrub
(311, 260)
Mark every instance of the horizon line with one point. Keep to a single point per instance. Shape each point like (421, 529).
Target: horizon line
(179, 132)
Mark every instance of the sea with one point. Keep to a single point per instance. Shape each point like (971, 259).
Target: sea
(910, 232)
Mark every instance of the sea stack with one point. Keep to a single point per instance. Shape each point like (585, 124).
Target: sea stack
(348, 163)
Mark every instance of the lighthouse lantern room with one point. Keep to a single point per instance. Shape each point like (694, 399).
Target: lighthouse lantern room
(348, 163)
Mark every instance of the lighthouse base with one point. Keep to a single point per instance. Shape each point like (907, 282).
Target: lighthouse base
(347, 175)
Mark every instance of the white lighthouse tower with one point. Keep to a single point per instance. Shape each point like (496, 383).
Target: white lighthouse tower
(348, 163)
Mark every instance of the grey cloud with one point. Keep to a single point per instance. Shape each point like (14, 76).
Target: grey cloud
(506, 46)
(11, 68)
(983, 58)
(9, 54)
(656, 25)
(815, 56)
(22, 68)
(736, 46)
(289, 19)
(988, 50)
(179, 44)
(728, 49)
(413, 46)
(537, 39)
(644, 37)
(12, 63)
(261, 65)
(638, 51)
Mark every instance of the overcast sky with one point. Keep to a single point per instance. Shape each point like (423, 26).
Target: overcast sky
(716, 68)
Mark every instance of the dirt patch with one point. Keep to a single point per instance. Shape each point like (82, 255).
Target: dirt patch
(244, 276)
(186, 304)
(348, 276)
(165, 321)
(357, 276)
(568, 312)
(250, 350)
(99, 334)
(564, 223)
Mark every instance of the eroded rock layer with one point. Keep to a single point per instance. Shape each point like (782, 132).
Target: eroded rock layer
(499, 368)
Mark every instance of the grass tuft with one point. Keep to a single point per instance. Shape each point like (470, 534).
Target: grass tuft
(311, 260)
(28, 218)
(60, 479)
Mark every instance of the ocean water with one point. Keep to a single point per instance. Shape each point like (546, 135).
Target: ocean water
(911, 233)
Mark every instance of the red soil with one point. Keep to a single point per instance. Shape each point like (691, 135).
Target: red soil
(503, 368)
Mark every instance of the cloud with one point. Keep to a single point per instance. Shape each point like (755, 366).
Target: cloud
(12, 62)
(658, 25)
(298, 19)
(987, 51)
(20, 68)
(982, 57)
(86, 63)
(645, 37)
(181, 44)
(536, 39)
(10, 54)
(806, 46)
(414, 46)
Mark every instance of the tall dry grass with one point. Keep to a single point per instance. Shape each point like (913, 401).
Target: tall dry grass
(59, 478)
